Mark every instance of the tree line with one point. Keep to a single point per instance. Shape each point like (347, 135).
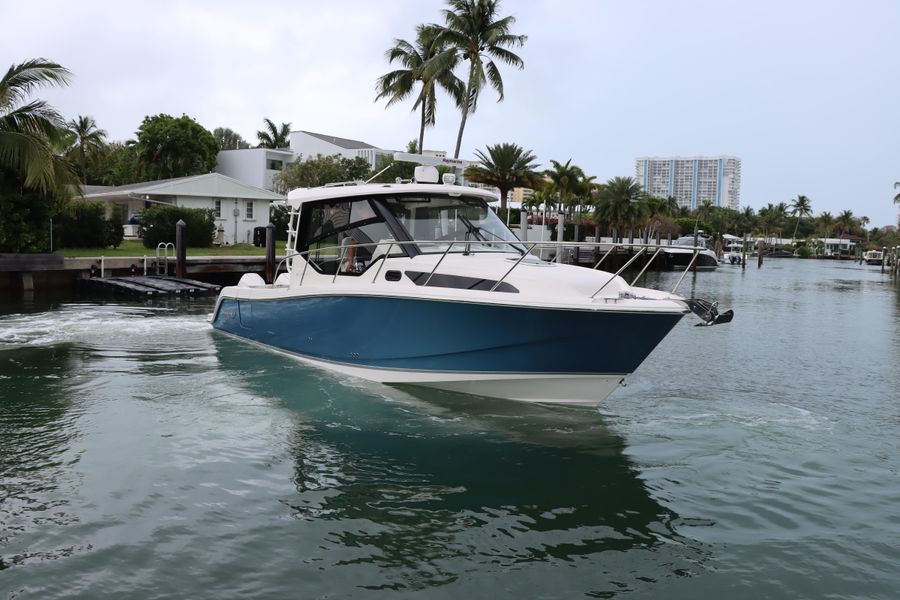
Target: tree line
(621, 205)
(46, 160)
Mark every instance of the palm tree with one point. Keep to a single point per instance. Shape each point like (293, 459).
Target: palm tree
(800, 207)
(654, 208)
(620, 203)
(845, 222)
(398, 84)
(272, 136)
(674, 209)
(863, 221)
(897, 197)
(473, 32)
(505, 166)
(826, 223)
(31, 132)
(565, 179)
(87, 142)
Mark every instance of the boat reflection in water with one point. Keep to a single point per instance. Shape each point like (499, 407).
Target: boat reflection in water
(428, 486)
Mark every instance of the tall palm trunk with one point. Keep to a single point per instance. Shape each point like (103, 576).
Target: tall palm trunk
(794, 237)
(465, 111)
(422, 131)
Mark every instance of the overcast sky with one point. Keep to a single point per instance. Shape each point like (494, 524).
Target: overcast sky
(805, 93)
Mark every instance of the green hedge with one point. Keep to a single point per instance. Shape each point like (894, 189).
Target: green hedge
(83, 224)
(158, 225)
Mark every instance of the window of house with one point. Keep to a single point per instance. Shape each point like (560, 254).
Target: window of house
(275, 165)
(249, 210)
(217, 208)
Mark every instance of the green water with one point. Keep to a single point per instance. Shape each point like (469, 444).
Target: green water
(144, 456)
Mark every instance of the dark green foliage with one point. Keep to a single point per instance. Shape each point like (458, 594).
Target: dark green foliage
(24, 216)
(686, 224)
(392, 169)
(114, 231)
(319, 171)
(117, 164)
(228, 139)
(279, 216)
(82, 224)
(158, 225)
(513, 218)
(174, 147)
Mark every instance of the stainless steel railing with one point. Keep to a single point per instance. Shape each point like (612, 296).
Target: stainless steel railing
(523, 248)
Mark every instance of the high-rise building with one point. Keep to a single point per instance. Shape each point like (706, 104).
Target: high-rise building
(692, 180)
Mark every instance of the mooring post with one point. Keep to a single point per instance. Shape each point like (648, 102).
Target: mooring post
(523, 225)
(180, 249)
(270, 253)
(560, 230)
(744, 252)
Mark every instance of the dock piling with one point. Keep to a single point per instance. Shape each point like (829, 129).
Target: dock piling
(180, 249)
(270, 254)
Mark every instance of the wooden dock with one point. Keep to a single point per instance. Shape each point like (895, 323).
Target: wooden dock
(149, 286)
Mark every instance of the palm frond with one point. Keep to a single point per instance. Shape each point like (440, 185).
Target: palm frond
(493, 75)
(21, 79)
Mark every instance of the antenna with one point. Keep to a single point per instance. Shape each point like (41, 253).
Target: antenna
(458, 165)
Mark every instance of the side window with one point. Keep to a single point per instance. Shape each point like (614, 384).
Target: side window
(343, 237)
(249, 211)
(218, 209)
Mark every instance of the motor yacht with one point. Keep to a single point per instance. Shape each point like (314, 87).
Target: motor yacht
(422, 284)
(687, 251)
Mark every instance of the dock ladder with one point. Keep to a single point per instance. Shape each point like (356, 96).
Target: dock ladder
(162, 267)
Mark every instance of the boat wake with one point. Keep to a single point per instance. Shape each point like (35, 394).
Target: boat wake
(96, 325)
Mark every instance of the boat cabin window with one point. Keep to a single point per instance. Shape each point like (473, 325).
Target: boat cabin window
(447, 219)
(343, 237)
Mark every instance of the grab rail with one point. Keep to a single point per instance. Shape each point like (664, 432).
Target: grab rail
(523, 248)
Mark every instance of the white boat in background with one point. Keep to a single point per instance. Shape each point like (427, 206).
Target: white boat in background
(682, 251)
(874, 257)
(734, 254)
(421, 284)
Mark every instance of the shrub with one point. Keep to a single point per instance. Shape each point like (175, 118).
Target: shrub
(83, 224)
(158, 225)
(279, 216)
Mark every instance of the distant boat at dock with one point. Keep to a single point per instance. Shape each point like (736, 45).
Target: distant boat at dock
(874, 257)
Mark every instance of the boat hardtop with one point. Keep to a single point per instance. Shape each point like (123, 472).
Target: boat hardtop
(301, 196)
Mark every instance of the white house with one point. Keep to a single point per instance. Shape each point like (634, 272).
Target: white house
(257, 166)
(239, 207)
(308, 145)
(254, 166)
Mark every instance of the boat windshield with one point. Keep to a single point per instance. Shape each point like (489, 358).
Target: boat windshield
(446, 219)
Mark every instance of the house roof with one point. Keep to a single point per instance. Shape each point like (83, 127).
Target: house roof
(342, 142)
(209, 185)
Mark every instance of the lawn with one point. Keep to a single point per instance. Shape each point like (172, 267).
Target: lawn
(136, 248)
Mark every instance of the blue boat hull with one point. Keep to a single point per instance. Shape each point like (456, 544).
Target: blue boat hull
(443, 336)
